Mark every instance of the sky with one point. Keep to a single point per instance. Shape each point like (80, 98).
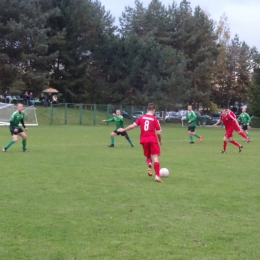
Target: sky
(243, 15)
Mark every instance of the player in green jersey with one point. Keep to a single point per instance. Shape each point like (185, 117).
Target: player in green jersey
(17, 118)
(118, 119)
(191, 118)
(245, 120)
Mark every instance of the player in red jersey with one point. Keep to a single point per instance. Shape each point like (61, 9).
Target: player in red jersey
(236, 126)
(150, 135)
(228, 121)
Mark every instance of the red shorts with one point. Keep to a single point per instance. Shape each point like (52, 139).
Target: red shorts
(151, 148)
(229, 132)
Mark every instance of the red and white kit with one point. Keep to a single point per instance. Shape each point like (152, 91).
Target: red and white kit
(149, 125)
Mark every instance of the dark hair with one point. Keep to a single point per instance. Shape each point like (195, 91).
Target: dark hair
(151, 106)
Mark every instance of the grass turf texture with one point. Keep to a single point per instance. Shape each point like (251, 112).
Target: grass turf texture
(72, 197)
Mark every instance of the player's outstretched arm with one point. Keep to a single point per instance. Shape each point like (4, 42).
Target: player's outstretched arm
(108, 120)
(126, 128)
(217, 122)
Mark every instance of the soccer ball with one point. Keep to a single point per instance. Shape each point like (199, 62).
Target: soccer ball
(164, 172)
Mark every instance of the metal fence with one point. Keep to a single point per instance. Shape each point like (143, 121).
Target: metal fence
(83, 114)
(93, 114)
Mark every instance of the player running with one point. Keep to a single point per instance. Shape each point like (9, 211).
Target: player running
(228, 121)
(191, 118)
(17, 118)
(236, 126)
(118, 119)
(149, 136)
(245, 120)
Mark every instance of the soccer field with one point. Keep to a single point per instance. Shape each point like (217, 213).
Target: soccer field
(71, 197)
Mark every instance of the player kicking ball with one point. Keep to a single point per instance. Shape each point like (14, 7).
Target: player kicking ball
(191, 118)
(236, 126)
(118, 119)
(17, 118)
(150, 135)
(228, 121)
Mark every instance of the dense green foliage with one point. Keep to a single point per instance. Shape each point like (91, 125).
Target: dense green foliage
(91, 202)
(255, 122)
(254, 93)
(171, 54)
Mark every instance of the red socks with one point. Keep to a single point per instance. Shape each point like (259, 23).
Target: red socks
(148, 160)
(224, 145)
(235, 143)
(156, 166)
(242, 134)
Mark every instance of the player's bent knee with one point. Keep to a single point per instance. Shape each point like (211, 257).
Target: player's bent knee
(23, 135)
(155, 158)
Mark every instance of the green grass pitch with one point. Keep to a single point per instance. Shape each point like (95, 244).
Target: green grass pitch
(71, 197)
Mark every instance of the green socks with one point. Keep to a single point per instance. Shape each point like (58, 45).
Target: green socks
(248, 135)
(191, 138)
(24, 144)
(129, 141)
(9, 144)
(112, 139)
(197, 135)
(12, 142)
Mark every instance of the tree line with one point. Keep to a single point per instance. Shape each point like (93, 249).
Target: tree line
(170, 54)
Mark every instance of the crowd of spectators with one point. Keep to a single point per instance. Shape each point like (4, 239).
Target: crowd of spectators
(28, 98)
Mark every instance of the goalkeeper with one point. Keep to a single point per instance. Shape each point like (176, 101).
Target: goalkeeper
(245, 120)
(17, 118)
(118, 119)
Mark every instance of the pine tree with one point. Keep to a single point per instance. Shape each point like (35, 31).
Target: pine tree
(83, 25)
(133, 21)
(254, 90)
(25, 44)
(177, 27)
(233, 73)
